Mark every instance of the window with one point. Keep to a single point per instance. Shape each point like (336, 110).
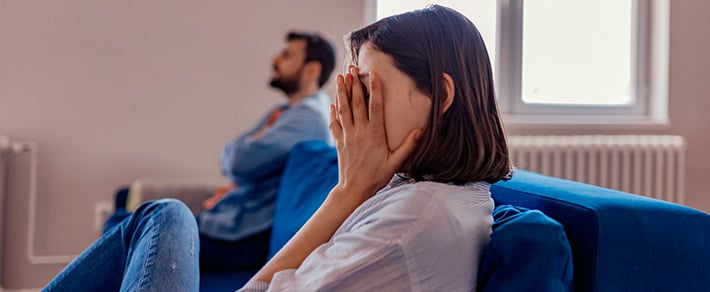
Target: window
(570, 61)
(595, 50)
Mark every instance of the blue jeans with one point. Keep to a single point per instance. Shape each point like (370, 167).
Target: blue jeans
(219, 255)
(155, 249)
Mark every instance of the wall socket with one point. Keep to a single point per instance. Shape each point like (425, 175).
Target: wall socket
(102, 210)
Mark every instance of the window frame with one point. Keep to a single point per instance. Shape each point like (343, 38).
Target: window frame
(650, 40)
(509, 43)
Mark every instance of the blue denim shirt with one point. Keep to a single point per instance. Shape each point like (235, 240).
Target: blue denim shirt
(255, 166)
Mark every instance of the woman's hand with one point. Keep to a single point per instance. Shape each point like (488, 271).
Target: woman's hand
(365, 163)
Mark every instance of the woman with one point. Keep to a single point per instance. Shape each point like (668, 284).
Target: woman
(419, 141)
(431, 117)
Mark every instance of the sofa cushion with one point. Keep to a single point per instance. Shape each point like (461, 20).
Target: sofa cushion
(309, 174)
(528, 252)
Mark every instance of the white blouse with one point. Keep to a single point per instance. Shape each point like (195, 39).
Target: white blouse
(410, 236)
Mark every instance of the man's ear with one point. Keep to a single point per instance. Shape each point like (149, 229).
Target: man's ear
(312, 69)
(449, 92)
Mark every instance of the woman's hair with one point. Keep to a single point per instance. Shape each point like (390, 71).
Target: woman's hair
(467, 142)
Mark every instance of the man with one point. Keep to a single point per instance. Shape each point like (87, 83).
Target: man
(235, 228)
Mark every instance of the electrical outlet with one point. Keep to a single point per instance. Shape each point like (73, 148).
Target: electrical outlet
(102, 210)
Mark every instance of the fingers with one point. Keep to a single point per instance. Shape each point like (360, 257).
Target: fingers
(335, 128)
(357, 100)
(342, 97)
(376, 112)
(349, 82)
(398, 157)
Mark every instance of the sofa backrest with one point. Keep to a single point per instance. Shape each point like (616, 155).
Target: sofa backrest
(620, 241)
(310, 172)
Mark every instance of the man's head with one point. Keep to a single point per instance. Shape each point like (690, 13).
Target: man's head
(306, 60)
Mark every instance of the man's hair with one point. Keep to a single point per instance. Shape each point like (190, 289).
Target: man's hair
(318, 49)
(467, 142)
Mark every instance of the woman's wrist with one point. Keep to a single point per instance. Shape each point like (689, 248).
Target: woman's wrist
(336, 208)
(344, 194)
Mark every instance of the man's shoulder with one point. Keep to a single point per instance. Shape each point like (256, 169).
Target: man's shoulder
(318, 102)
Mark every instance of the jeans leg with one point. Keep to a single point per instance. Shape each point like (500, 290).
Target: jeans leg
(116, 218)
(154, 249)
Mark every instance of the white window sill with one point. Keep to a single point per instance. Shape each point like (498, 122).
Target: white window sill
(588, 122)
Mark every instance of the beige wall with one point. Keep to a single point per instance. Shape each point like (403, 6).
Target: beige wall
(113, 91)
(690, 92)
(116, 90)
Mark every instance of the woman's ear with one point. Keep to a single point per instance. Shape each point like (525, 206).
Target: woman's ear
(449, 91)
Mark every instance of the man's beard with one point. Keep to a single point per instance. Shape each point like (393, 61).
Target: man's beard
(287, 85)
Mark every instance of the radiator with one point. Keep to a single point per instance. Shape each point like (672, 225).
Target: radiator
(649, 165)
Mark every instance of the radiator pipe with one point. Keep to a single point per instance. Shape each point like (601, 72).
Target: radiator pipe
(18, 147)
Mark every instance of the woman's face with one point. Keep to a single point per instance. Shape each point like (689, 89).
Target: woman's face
(405, 107)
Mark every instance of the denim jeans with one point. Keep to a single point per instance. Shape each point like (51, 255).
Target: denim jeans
(156, 248)
(217, 255)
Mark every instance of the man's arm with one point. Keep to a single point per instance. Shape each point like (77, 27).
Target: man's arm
(251, 157)
(225, 168)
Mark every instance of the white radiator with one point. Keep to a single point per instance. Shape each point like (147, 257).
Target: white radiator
(648, 165)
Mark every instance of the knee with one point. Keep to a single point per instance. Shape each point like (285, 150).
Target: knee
(175, 208)
(172, 205)
(169, 209)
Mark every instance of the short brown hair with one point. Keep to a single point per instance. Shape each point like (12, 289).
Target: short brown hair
(467, 142)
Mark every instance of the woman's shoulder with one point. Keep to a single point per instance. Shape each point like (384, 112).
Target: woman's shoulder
(406, 208)
(426, 192)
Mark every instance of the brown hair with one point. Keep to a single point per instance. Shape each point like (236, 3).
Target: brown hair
(467, 142)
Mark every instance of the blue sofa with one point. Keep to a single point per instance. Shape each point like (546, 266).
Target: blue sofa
(574, 237)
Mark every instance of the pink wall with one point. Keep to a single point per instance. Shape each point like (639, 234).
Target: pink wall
(113, 91)
(116, 90)
(690, 92)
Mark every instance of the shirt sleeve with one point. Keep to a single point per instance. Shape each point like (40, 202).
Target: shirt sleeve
(251, 158)
(354, 261)
(254, 286)
(341, 265)
(225, 167)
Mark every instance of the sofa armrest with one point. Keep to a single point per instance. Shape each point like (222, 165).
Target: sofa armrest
(620, 241)
(192, 191)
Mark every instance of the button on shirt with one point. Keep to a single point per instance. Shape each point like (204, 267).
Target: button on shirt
(410, 236)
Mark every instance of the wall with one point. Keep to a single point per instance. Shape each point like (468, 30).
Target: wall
(116, 90)
(689, 89)
(113, 91)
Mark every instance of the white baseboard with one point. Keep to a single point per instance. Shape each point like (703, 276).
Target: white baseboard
(18, 290)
